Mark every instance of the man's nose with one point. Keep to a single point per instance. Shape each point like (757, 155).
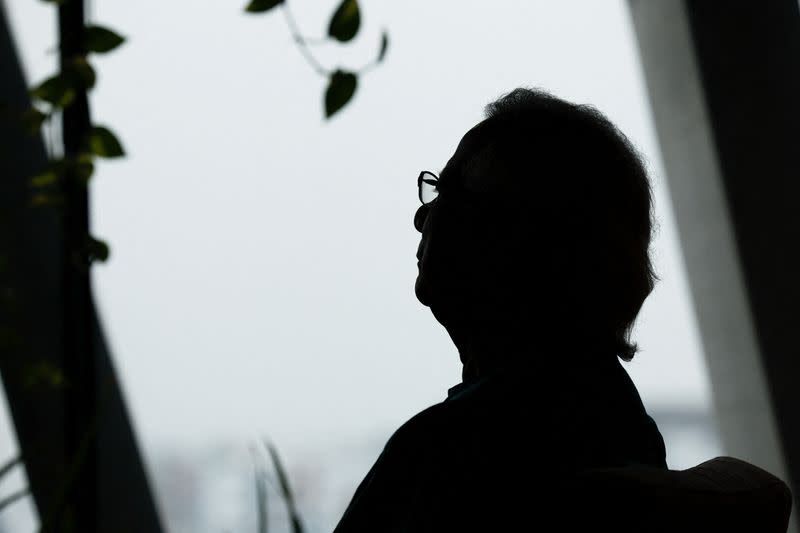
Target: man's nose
(420, 216)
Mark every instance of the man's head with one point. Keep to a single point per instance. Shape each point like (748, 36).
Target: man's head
(541, 228)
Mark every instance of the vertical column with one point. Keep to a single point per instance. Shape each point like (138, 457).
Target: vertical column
(78, 364)
(723, 83)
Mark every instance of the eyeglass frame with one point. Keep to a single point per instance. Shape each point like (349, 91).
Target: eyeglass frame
(434, 180)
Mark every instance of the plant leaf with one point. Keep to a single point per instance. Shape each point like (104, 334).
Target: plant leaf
(341, 88)
(384, 46)
(32, 120)
(51, 174)
(102, 142)
(345, 21)
(81, 73)
(45, 178)
(260, 6)
(99, 39)
(55, 90)
(96, 250)
(82, 166)
(41, 200)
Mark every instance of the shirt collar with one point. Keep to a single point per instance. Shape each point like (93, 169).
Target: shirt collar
(466, 387)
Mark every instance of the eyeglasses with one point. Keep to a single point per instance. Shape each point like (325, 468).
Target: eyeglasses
(427, 183)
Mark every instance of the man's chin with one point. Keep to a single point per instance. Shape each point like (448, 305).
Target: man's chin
(421, 291)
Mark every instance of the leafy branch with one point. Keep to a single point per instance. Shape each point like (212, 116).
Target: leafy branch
(50, 98)
(343, 27)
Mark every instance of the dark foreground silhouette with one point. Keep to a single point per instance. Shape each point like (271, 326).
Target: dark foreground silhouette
(534, 256)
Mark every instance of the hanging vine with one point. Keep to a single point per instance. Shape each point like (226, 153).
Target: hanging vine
(343, 27)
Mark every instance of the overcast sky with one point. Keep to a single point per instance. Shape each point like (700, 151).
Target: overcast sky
(262, 267)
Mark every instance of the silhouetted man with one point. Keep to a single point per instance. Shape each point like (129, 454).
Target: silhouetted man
(535, 258)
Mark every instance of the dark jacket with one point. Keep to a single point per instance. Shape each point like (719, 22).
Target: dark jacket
(494, 452)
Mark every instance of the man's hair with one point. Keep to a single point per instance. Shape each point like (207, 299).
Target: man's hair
(586, 205)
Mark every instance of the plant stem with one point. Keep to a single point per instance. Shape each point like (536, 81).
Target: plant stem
(301, 42)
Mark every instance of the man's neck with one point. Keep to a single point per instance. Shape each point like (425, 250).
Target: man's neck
(484, 354)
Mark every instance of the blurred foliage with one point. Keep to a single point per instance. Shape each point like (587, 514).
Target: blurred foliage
(345, 21)
(81, 166)
(259, 6)
(341, 88)
(262, 478)
(102, 142)
(50, 97)
(54, 94)
(55, 91)
(383, 48)
(96, 250)
(100, 40)
(43, 373)
(32, 120)
(343, 27)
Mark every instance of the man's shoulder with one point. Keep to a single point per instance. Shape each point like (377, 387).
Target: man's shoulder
(435, 428)
(469, 409)
(427, 423)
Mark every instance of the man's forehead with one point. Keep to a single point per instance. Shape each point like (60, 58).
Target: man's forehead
(472, 165)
